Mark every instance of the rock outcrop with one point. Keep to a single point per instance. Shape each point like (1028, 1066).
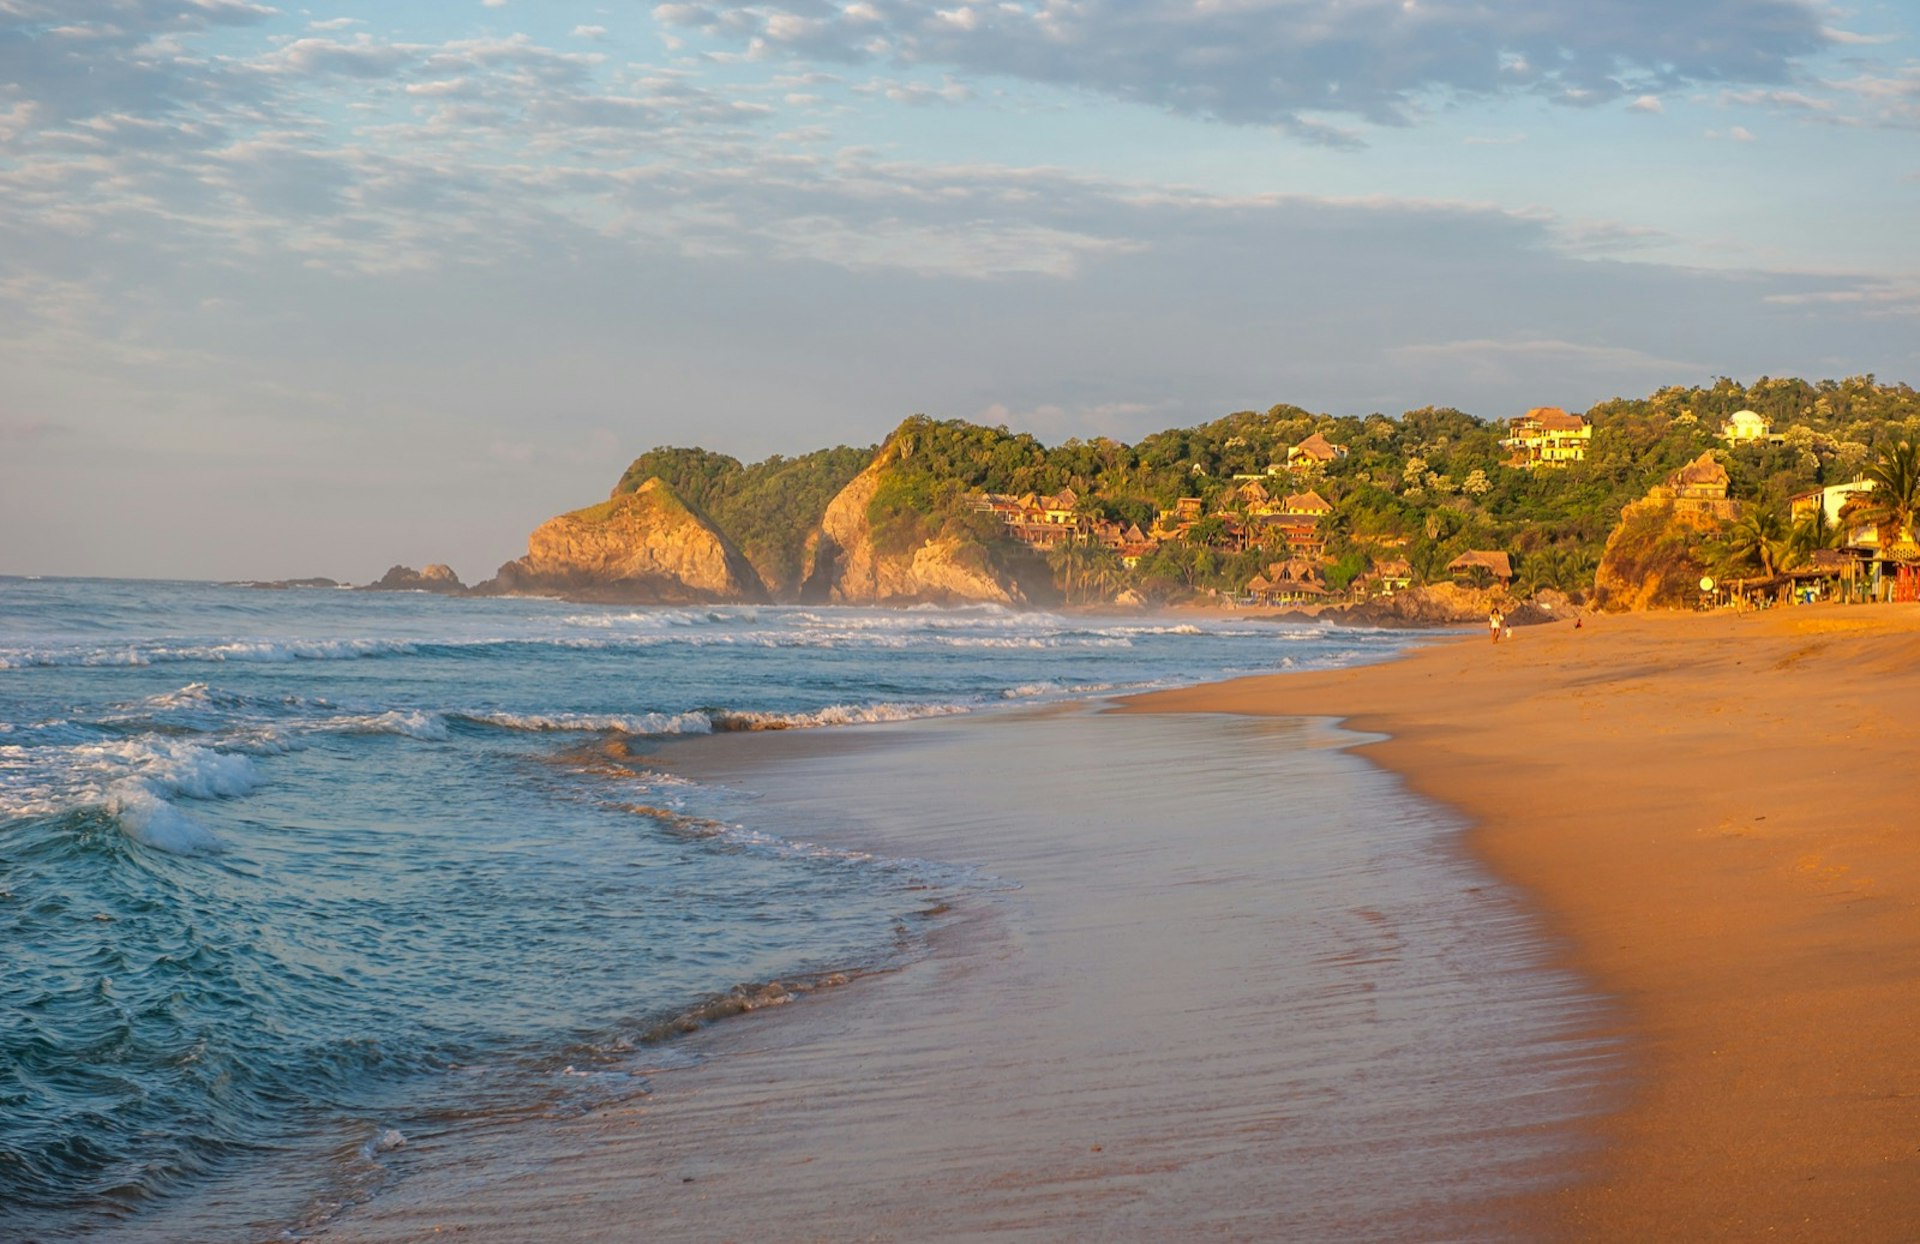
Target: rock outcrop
(844, 565)
(1433, 604)
(281, 585)
(435, 578)
(1652, 559)
(642, 547)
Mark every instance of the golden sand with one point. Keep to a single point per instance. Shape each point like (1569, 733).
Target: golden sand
(1721, 815)
(1715, 815)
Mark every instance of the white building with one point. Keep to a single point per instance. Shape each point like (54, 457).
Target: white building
(1744, 428)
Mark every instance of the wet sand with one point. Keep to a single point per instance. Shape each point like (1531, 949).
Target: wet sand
(1247, 988)
(1721, 816)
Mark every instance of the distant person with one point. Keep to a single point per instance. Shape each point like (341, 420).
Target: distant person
(1495, 623)
(1506, 628)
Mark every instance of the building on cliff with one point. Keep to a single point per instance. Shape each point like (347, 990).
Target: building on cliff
(1700, 487)
(1547, 436)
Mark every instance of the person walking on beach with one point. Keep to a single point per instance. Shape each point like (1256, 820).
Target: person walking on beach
(1495, 623)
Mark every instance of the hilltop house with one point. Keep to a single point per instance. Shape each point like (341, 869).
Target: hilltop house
(1547, 436)
(1744, 427)
(1700, 487)
(1044, 522)
(1315, 451)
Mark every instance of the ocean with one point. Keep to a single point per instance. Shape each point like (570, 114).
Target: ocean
(288, 878)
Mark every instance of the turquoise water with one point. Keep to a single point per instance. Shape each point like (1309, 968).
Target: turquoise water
(287, 876)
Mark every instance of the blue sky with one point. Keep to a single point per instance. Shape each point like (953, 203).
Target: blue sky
(310, 290)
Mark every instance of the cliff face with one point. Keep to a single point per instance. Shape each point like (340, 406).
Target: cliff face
(643, 547)
(844, 566)
(1651, 560)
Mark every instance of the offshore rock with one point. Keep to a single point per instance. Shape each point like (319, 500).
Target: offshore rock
(642, 547)
(435, 578)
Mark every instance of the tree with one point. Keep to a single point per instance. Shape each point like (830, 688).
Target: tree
(1760, 537)
(1814, 532)
(1895, 499)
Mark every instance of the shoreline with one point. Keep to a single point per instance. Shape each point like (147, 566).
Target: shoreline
(1710, 812)
(1228, 1030)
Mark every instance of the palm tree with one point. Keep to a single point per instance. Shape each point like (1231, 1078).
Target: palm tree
(1895, 499)
(1066, 557)
(1761, 537)
(1815, 531)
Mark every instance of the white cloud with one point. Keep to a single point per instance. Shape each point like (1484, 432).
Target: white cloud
(1648, 104)
(595, 33)
(1274, 61)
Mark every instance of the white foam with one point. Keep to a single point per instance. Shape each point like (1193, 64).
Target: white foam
(412, 723)
(169, 766)
(148, 818)
(839, 715)
(255, 651)
(644, 723)
(136, 780)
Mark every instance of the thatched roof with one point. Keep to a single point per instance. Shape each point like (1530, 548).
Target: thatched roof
(1701, 472)
(1493, 560)
(1317, 447)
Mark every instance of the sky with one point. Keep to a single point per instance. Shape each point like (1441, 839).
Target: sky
(291, 291)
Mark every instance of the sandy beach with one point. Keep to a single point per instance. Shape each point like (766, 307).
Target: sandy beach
(1704, 817)
(1215, 978)
(1716, 814)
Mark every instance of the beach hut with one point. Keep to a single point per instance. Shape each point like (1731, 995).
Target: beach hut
(1493, 562)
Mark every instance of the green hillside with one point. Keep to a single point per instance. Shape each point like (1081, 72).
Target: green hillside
(1429, 483)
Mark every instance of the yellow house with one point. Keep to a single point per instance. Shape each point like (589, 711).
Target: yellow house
(1547, 436)
(1315, 451)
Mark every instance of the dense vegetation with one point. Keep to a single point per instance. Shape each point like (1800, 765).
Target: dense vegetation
(768, 509)
(1433, 477)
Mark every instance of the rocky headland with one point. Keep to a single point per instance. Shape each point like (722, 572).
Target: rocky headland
(642, 547)
(848, 563)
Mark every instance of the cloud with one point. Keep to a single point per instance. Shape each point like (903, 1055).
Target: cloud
(1272, 62)
(1898, 297)
(1647, 103)
(595, 33)
(361, 58)
(1506, 360)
